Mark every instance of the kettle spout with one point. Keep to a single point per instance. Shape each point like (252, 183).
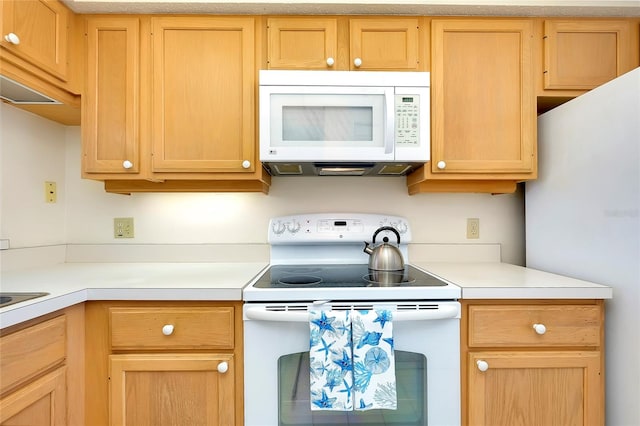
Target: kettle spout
(367, 248)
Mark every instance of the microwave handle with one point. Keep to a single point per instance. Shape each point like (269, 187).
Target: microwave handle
(389, 125)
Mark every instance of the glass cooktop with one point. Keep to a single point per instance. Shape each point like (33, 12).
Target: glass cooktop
(345, 276)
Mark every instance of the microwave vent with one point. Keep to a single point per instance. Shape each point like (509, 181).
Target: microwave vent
(394, 169)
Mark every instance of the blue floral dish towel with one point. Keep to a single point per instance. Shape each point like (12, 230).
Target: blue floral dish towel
(352, 364)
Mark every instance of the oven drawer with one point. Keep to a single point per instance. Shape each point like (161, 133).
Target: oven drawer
(172, 328)
(534, 325)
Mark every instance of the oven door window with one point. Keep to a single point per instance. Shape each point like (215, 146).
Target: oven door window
(294, 405)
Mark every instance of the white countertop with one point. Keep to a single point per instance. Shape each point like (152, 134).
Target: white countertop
(71, 283)
(494, 280)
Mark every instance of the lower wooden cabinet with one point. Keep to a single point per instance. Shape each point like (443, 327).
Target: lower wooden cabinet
(532, 363)
(41, 370)
(41, 403)
(164, 363)
(172, 389)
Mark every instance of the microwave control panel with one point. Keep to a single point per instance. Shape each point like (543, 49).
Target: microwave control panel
(407, 117)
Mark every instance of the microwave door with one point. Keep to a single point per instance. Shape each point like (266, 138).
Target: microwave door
(327, 124)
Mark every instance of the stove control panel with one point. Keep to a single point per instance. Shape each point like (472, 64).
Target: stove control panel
(335, 228)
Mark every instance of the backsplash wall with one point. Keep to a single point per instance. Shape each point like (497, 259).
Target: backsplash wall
(35, 149)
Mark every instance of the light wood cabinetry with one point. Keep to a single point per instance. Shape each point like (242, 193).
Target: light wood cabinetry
(532, 362)
(483, 112)
(37, 31)
(583, 54)
(165, 363)
(161, 116)
(309, 43)
(41, 369)
(346, 43)
(38, 49)
(111, 99)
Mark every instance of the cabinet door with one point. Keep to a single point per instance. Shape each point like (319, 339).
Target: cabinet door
(203, 94)
(172, 389)
(482, 91)
(384, 44)
(581, 55)
(38, 33)
(110, 104)
(535, 388)
(302, 43)
(41, 403)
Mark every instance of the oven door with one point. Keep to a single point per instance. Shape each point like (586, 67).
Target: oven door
(276, 367)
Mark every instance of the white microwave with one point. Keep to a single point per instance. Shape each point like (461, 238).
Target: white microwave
(344, 122)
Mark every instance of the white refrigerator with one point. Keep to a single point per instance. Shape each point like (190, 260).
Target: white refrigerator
(582, 219)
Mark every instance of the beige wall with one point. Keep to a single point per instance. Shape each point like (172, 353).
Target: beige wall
(35, 150)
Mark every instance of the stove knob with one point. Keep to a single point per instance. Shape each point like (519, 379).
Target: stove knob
(278, 228)
(402, 227)
(294, 227)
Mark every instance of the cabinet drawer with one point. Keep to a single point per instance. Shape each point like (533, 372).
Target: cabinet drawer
(172, 328)
(513, 325)
(45, 344)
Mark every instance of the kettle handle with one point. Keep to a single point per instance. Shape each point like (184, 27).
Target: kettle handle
(386, 228)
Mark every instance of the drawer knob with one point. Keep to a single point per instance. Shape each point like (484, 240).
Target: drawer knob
(482, 365)
(12, 38)
(167, 330)
(223, 367)
(540, 328)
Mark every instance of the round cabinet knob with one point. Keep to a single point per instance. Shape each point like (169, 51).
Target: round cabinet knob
(12, 38)
(441, 165)
(330, 62)
(246, 164)
(482, 365)
(223, 367)
(127, 164)
(167, 330)
(357, 62)
(540, 328)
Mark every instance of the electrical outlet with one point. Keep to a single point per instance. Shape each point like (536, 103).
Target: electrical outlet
(473, 228)
(123, 227)
(50, 192)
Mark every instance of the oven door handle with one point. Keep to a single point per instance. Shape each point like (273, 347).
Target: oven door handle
(441, 312)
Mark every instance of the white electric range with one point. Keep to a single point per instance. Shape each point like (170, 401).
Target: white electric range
(317, 260)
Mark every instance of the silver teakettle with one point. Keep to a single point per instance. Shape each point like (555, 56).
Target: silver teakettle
(386, 264)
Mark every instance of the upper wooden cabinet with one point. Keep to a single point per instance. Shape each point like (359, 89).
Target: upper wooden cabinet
(384, 44)
(483, 111)
(583, 54)
(169, 104)
(37, 31)
(40, 49)
(203, 112)
(389, 43)
(111, 99)
(302, 43)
